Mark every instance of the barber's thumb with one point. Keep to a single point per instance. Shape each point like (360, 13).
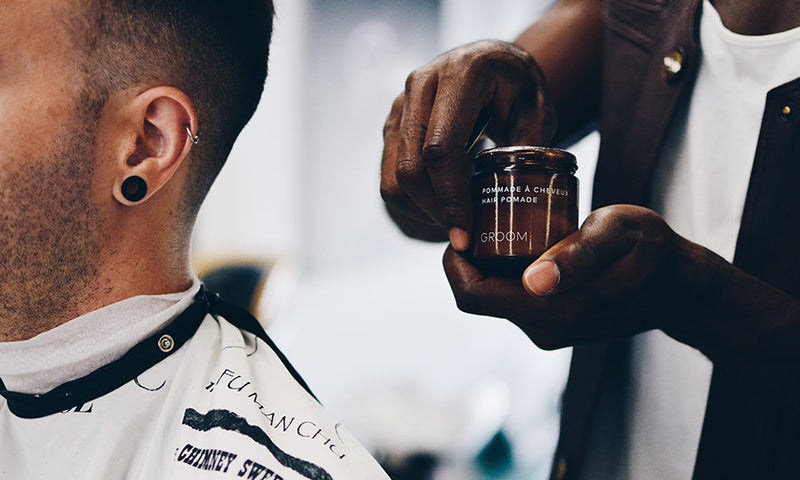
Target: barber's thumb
(580, 257)
(566, 263)
(542, 277)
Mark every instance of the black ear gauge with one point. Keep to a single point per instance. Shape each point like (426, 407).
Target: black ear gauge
(134, 188)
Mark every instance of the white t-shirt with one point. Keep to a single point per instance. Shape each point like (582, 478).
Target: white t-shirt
(700, 187)
(200, 398)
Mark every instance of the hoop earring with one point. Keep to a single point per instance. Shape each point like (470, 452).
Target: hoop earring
(194, 138)
(134, 188)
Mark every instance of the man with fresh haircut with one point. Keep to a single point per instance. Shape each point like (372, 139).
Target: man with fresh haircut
(115, 362)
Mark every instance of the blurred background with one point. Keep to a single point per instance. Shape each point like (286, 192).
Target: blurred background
(365, 314)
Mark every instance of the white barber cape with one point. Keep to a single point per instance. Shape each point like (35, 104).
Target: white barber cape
(204, 397)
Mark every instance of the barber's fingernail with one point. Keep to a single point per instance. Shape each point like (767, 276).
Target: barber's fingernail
(542, 278)
(459, 239)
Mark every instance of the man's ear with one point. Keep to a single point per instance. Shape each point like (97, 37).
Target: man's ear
(163, 120)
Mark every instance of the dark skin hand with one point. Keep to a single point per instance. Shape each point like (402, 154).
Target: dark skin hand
(424, 178)
(581, 288)
(625, 271)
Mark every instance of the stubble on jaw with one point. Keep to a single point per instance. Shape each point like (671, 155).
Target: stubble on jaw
(51, 232)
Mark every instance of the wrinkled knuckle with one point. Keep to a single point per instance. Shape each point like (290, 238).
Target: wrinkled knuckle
(436, 148)
(418, 77)
(407, 170)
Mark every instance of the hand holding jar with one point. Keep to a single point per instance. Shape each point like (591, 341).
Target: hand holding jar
(425, 174)
(624, 259)
(525, 200)
(623, 272)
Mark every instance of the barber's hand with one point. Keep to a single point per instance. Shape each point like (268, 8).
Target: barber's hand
(623, 272)
(424, 174)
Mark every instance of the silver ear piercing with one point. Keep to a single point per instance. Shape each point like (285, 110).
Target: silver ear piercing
(194, 138)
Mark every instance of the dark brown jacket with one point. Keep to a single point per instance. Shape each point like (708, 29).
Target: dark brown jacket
(651, 60)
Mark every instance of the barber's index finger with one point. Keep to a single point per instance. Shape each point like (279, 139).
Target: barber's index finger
(455, 124)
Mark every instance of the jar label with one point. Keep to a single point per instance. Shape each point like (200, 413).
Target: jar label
(521, 215)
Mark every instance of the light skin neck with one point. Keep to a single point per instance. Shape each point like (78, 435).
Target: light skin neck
(758, 17)
(83, 251)
(140, 257)
(143, 256)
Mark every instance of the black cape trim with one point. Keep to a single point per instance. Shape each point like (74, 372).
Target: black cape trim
(243, 320)
(139, 359)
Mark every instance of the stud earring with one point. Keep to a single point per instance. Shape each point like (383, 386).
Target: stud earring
(134, 188)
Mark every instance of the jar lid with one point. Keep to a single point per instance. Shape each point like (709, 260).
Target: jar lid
(547, 157)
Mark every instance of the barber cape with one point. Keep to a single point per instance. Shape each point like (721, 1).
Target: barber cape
(209, 396)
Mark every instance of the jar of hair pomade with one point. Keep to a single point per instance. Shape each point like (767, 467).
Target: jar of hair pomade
(525, 199)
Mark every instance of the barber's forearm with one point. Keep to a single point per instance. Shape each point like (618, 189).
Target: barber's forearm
(740, 322)
(567, 45)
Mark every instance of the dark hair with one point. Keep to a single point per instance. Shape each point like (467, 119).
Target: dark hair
(214, 51)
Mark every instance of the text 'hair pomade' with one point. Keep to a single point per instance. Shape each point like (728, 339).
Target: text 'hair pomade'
(525, 200)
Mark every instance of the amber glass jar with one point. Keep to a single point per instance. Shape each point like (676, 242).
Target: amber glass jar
(525, 200)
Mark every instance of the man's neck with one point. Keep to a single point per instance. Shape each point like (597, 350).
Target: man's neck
(758, 17)
(115, 281)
